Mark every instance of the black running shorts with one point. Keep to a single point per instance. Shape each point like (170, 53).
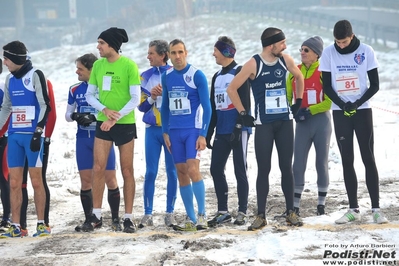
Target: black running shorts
(120, 133)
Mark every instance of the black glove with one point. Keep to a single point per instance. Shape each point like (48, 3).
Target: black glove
(208, 141)
(302, 115)
(295, 107)
(349, 109)
(235, 137)
(35, 142)
(245, 119)
(47, 141)
(85, 119)
(75, 115)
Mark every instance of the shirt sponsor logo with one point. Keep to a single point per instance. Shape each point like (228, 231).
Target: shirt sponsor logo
(274, 85)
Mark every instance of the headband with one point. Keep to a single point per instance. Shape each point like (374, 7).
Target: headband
(273, 39)
(226, 49)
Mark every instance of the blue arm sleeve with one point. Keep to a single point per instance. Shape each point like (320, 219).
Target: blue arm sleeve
(203, 91)
(165, 106)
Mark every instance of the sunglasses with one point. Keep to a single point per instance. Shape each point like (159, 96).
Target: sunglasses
(306, 50)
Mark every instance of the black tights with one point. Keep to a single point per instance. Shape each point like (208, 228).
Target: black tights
(362, 125)
(281, 133)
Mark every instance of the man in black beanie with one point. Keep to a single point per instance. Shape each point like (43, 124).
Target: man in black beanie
(114, 37)
(4, 179)
(27, 102)
(116, 81)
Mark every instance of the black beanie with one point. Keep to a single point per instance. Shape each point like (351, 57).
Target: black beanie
(114, 37)
(15, 51)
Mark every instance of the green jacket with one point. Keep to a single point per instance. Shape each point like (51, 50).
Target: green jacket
(307, 73)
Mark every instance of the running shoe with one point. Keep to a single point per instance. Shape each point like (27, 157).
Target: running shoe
(24, 232)
(5, 225)
(169, 219)
(258, 223)
(146, 221)
(13, 231)
(320, 210)
(219, 219)
(96, 223)
(187, 227)
(202, 224)
(293, 219)
(48, 227)
(116, 225)
(129, 226)
(85, 227)
(349, 216)
(241, 219)
(379, 218)
(41, 230)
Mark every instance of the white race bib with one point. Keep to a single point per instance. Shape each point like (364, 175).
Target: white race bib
(311, 96)
(107, 83)
(222, 100)
(22, 116)
(276, 101)
(347, 84)
(179, 104)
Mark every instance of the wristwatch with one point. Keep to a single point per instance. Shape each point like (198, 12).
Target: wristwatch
(39, 130)
(243, 113)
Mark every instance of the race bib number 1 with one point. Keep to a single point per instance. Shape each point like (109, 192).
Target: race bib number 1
(276, 101)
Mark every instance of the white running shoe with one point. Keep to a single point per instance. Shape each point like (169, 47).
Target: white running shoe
(349, 216)
(202, 223)
(146, 221)
(379, 218)
(170, 219)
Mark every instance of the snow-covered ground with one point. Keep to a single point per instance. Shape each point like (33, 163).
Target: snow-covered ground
(276, 244)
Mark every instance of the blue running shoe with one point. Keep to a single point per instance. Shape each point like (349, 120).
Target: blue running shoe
(13, 231)
(41, 230)
(220, 218)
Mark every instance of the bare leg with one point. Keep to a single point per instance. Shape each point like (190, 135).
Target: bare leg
(16, 193)
(129, 186)
(100, 154)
